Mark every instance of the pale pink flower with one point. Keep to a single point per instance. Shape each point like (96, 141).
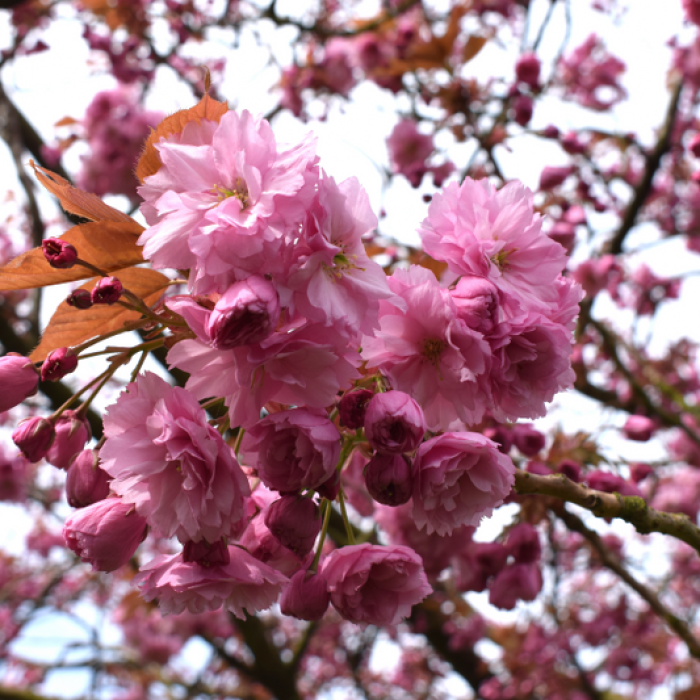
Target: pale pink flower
(105, 534)
(400, 527)
(459, 478)
(244, 585)
(329, 277)
(479, 231)
(292, 450)
(302, 363)
(224, 199)
(165, 458)
(531, 363)
(374, 584)
(429, 353)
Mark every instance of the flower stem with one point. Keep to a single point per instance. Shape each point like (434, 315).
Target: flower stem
(344, 513)
(324, 530)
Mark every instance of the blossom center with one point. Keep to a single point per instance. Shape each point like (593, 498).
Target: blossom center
(240, 192)
(432, 349)
(500, 259)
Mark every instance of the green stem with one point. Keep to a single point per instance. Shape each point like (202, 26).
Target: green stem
(133, 326)
(139, 365)
(324, 530)
(344, 513)
(57, 414)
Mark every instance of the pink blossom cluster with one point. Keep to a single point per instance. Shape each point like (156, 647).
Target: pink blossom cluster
(115, 128)
(332, 372)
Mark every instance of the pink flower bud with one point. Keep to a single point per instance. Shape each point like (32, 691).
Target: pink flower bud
(58, 253)
(79, 299)
(329, 489)
(523, 544)
(394, 423)
(58, 364)
(570, 469)
(501, 436)
(528, 440)
(86, 483)
(306, 596)
(640, 471)
(388, 479)
(247, 313)
(34, 437)
(352, 407)
(476, 299)
(564, 234)
(19, 380)
(105, 534)
(295, 522)
(552, 176)
(527, 69)
(72, 432)
(206, 554)
(639, 428)
(611, 483)
(108, 290)
(522, 109)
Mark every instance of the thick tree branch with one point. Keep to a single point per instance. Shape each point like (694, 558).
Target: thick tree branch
(643, 189)
(632, 509)
(611, 561)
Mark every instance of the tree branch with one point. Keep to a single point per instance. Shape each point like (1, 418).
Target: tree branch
(631, 509)
(611, 561)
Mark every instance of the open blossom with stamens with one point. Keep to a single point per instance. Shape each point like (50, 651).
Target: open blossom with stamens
(429, 353)
(330, 279)
(224, 199)
(479, 231)
(165, 458)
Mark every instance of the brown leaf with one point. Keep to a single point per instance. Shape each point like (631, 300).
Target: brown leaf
(207, 108)
(76, 201)
(106, 244)
(70, 326)
(66, 121)
(472, 47)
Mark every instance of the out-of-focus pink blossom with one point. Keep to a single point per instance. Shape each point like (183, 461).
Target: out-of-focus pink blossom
(408, 150)
(527, 69)
(515, 582)
(374, 584)
(523, 544)
(14, 478)
(528, 440)
(591, 75)
(458, 478)
(165, 458)
(244, 585)
(105, 534)
(292, 450)
(679, 493)
(639, 428)
(611, 483)
(692, 10)
(19, 379)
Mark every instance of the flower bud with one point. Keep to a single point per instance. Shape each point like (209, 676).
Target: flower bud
(329, 489)
(352, 407)
(515, 582)
(394, 423)
(306, 596)
(570, 469)
(19, 380)
(72, 432)
(79, 299)
(522, 109)
(528, 440)
(639, 428)
(527, 69)
(58, 364)
(105, 534)
(206, 554)
(501, 435)
(34, 436)
(553, 176)
(295, 522)
(523, 544)
(640, 471)
(108, 290)
(86, 483)
(477, 303)
(564, 234)
(247, 313)
(388, 479)
(59, 253)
